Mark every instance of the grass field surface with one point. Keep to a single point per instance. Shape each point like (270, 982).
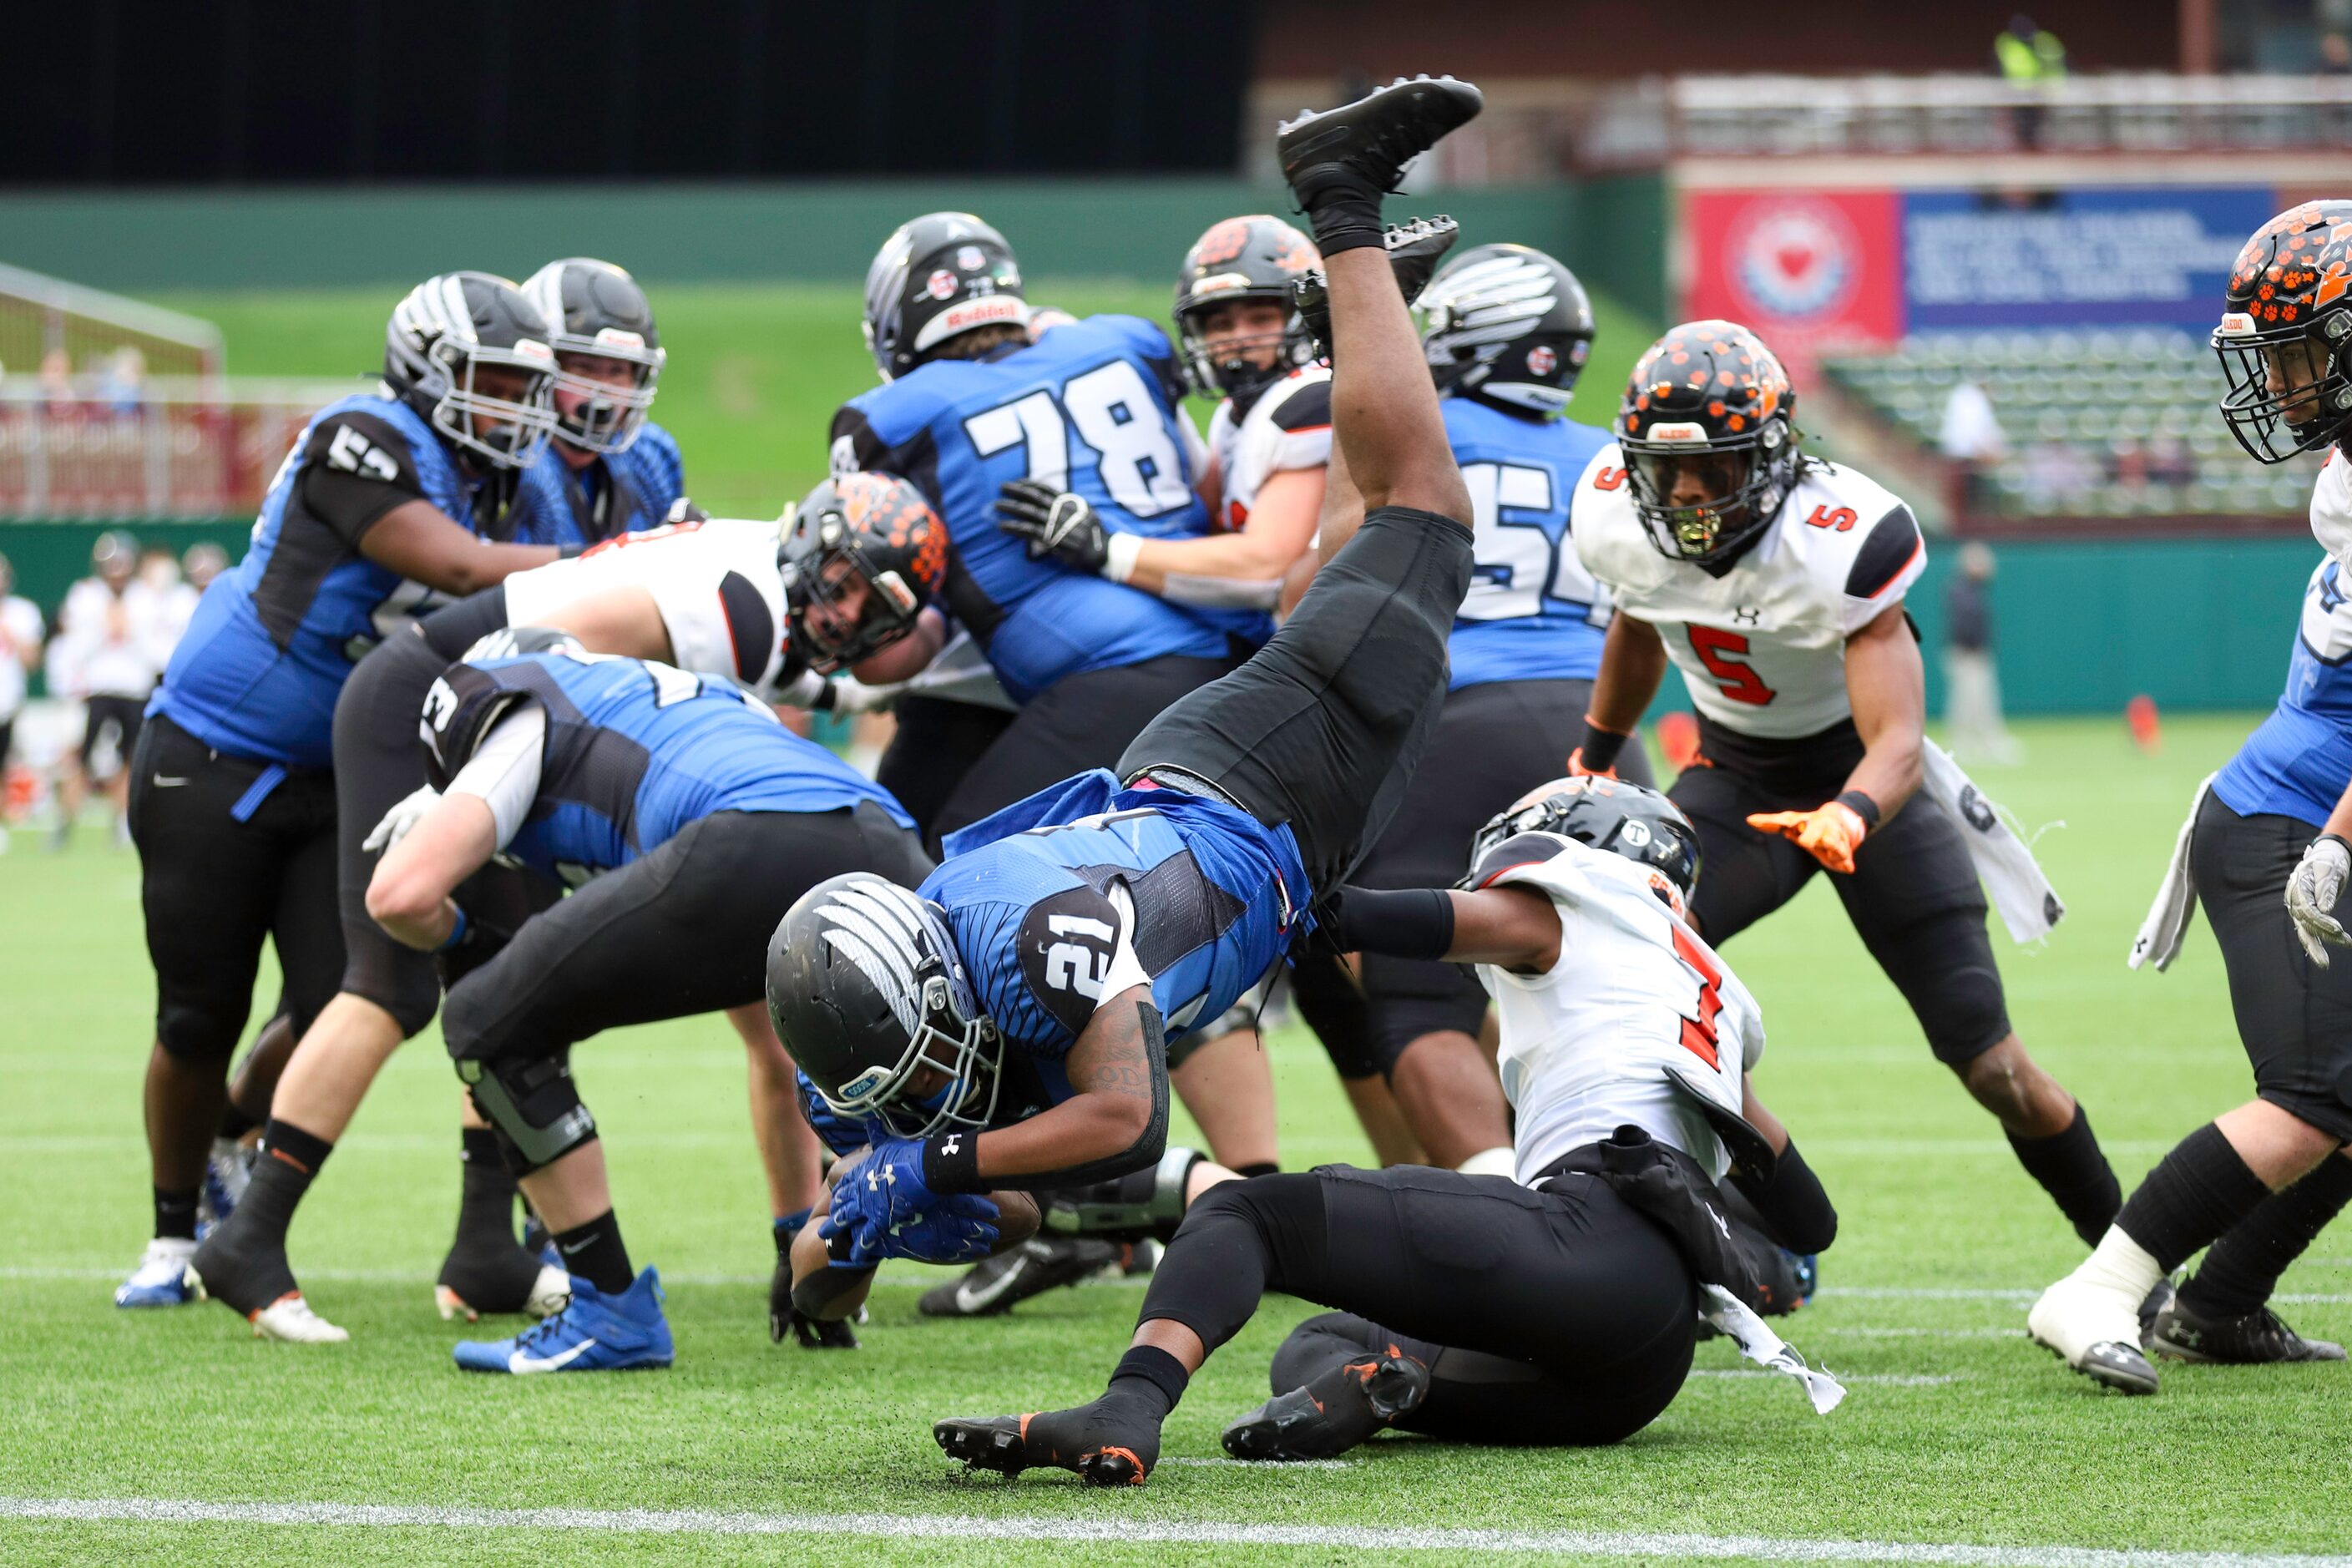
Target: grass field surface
(755, 371)
(174, 1437)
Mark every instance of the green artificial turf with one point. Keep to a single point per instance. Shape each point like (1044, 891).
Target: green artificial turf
(755, 371)
(1956, 1429)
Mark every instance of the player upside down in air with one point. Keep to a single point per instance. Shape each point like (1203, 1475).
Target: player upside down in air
(1044, 965)
(1474, 1307)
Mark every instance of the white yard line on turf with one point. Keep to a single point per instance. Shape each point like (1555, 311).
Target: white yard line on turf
(1119, 1528)
(1886, 1379)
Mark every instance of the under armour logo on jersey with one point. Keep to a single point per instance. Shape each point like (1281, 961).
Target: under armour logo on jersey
(1742, 615)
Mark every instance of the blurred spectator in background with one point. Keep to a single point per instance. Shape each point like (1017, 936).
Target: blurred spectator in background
(204, 562)
(122, 384)
(2029, 57)
(1971, 681)
(2335, 54)
(159, 576)
(1972, 440)
(20, 645)
(2128, 465)
(2058, 474)
(2168, 462)
(105, 658)
(57, 395)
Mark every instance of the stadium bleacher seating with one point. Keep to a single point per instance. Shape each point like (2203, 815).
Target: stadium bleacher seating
(2098, 424)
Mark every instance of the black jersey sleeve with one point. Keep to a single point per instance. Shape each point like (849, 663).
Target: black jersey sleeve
(356, 468)
(1885, 552)
(1307, 408)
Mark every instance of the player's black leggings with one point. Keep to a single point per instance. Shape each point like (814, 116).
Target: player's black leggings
(1321, 729)
(378, 763)
(1552, 1316)
(1913, 896)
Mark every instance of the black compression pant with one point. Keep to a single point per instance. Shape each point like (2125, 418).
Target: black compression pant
(1552, 1316)
(378, 763)
(937, 743)
(1321, 729)
(1080, 723)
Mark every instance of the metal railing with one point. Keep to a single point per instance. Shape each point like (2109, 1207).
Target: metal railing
(168, 447)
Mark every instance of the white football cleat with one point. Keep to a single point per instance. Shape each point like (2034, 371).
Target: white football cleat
(289, 1318)
(2095, 1331)
(162, 1278)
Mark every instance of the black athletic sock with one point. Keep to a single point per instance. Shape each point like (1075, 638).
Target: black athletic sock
(1144, 1387)
(595, 1252)
(2239, 1274)
(487, 1269)
(2074, 1172)
(235, 1123)
(1150, 1379)
(243, 1262)
(1344, 212)
(176, 1214)
(2201, 1189)
(1263, 1168)
(787, 1230)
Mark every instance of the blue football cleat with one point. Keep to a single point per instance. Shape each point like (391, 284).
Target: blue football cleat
(1807, 1267)
(595, 1333)
(227, 1171)
(162, 1279)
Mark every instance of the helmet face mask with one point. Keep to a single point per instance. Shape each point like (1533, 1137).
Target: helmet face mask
(441, 340)
(1710, 447)
(1246, 262)
(2285, 333)
(868, 991)
(608, 356)
(862, 556)
(1610, 814)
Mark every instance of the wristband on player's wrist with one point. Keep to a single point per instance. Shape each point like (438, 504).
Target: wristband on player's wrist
(1602, 745)
(1862, 806)
(951, 1162)
(1120, 552)
(456, 930)
(2336, 838)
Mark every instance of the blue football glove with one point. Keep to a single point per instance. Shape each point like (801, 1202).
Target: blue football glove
(890, 1183)
(957, 1230)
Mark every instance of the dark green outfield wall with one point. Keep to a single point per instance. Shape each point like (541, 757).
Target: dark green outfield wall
(2083, 626)
(1613, 229)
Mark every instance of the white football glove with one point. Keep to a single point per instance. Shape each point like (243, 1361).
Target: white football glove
(394, 825)
(2311, 895)
(851, 695)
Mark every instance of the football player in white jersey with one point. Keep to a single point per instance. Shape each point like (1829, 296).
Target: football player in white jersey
(2264, 850)
(1557, 1308)
(1775, 581)
(776, 607)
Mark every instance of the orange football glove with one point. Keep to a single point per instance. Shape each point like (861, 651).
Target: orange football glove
(1830, 834)
(1576, 770)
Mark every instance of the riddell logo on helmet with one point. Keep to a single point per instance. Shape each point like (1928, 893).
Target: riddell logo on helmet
(981, 313)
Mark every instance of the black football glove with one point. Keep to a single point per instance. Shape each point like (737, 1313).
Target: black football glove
(1054, 523)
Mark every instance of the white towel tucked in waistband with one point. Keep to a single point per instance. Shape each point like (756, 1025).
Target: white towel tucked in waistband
(2029, 906)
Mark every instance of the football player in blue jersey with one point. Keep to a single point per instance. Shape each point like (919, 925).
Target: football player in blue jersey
(617, 472)
(2265, 849)
(651, 791)
(1066, 938)
(968, 401)
(1506, 330)
(773, 606)
(387, 498)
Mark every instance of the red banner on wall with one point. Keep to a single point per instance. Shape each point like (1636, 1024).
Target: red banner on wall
(1809, 270)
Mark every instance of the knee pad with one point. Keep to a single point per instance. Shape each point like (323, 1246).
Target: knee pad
(1405, 999)
(533, 1104)
(1146, 1202)
(400, 980)
(192, 1032)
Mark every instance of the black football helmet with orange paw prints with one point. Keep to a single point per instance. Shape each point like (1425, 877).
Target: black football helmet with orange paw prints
(1254, 258)
(861, 557)
(2285, 338)
(1708, 417)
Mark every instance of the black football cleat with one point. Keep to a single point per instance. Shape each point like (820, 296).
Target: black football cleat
(1040, 1264)
(1366, 144)
(1339, 1409)
(2259, 1338)
(2160, 1296)
(1074, 1440)
(1415, 246)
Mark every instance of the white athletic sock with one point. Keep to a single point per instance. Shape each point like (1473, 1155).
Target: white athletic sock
(2120, 1265)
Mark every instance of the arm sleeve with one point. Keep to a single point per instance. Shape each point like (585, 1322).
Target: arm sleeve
(1412, 923)
(504, 772)
(355, 468)
(1221, 593)
(1794, 1202)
